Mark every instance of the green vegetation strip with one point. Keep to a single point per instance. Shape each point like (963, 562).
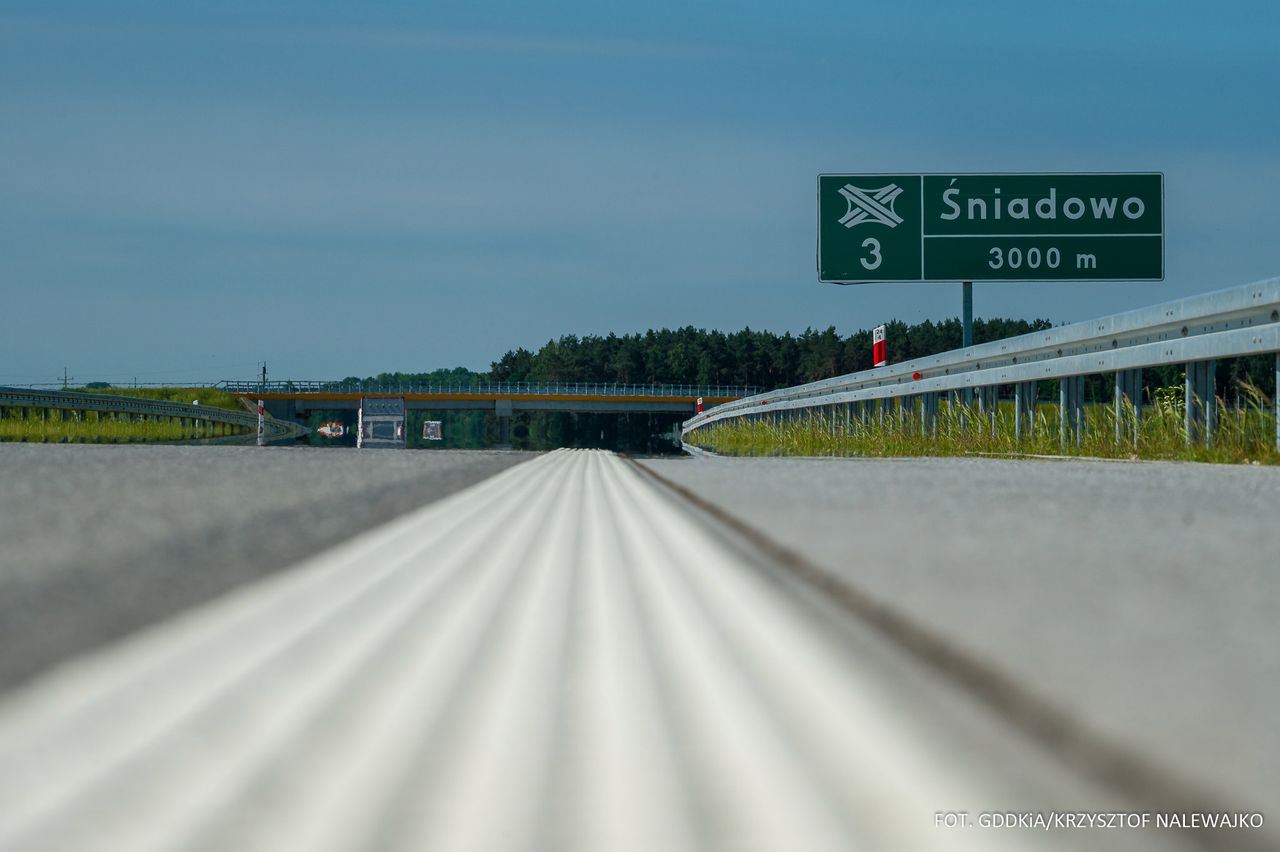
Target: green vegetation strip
(63, 426)
(206, 396)
(1244, 433)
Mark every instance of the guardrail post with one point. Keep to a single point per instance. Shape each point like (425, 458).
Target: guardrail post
(929, 414)
(991, 407)
(1128, 404)
(1031, 398)
(1024, 408)
(1017, 410)
(1200, 402)
(1070, 410)
(958, 407)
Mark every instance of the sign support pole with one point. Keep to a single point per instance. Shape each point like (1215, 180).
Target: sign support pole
(966, 320)
(967, 312)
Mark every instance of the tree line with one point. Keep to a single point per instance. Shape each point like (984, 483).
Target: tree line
(753, 358)
(767, 360)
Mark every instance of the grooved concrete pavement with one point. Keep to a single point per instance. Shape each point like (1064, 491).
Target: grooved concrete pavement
(563, 657)
(96, 541)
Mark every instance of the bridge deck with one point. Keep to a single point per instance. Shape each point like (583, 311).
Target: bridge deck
(289, 404)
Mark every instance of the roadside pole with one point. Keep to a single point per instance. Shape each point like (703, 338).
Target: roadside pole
(967, 312)
(966, 319)
(262, 425)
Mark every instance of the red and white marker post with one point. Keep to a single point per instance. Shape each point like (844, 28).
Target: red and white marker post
(879, 350)
(262, 424)
(699, 405)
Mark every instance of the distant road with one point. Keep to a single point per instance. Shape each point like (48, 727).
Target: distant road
(1143, 599)
(96, 541)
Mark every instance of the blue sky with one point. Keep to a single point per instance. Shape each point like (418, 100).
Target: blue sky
(340, 189)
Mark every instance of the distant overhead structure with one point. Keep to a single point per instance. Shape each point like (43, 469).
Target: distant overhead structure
(381, 422)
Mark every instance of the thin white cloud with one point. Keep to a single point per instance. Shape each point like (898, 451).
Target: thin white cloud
(411, 38)
(425, 39)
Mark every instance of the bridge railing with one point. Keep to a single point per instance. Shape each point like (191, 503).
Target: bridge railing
(109, 403)
(492, 388)
(1194, 331)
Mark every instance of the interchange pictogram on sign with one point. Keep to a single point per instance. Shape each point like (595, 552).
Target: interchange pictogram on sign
(874, 205)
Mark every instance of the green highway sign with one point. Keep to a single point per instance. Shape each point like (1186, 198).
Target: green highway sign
(992, 227)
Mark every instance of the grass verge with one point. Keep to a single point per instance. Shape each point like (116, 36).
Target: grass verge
(207, 396)
(1243, 434)
(62, 426)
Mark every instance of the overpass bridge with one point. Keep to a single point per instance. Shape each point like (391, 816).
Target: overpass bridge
(295, 400)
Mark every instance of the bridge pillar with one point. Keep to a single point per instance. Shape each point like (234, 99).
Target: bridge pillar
(504, 410)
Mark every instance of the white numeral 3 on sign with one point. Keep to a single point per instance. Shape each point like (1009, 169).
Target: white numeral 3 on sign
(872, 262)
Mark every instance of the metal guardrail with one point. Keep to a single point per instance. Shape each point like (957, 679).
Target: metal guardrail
(1194, 331)
(67, 400)
(491, 388)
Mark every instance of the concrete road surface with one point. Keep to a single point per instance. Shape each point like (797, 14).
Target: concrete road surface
(96, 541)
(1142, 599)
(571, 655)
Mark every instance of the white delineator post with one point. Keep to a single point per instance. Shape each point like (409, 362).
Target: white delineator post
(879, 350)
(262, 424)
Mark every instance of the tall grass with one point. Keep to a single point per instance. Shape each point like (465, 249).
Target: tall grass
(93, 427)
(1243, 433)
